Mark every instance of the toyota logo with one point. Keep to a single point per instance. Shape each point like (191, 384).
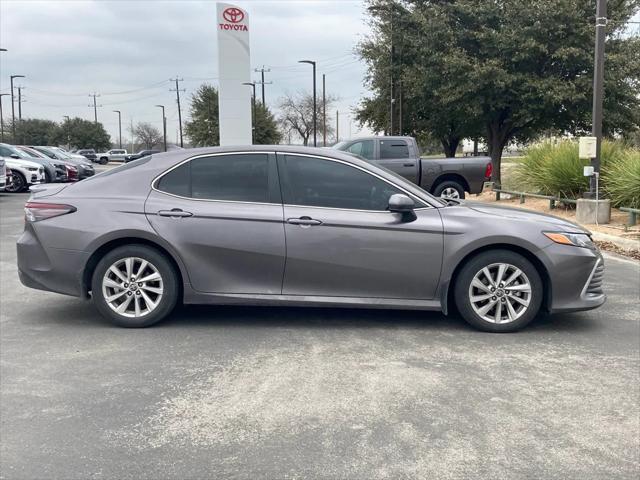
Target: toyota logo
(233, 15)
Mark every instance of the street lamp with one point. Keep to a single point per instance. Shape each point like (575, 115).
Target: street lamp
(164, 127)
(253, 107)
(13, 113)
(119, 126)
(315, 120)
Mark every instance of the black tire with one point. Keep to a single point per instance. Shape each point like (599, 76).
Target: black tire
(18, 183)
(449, 184)
(103, 161)
(164, 267)
(475, 265)
(47, 177)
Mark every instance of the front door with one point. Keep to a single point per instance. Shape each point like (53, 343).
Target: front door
(223, 215)
(341, 240)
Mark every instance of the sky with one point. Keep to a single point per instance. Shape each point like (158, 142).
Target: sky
(127, 50)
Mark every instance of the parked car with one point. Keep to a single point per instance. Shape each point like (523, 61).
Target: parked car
(54, 170)
(442, 177)
(4, 170)
(69, 169)
(85, 169)
(75, 156)
(88, 153)
(278, 225)
(113, 155)
(24, 174)
(140, 154)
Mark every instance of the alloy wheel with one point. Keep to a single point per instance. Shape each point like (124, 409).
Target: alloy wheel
(132, 287)
(450, 192)
(500, 293)
(17, 183)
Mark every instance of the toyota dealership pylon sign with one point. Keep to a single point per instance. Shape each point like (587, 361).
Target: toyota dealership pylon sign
(234, 69)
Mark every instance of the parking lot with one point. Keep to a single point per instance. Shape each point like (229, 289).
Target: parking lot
(241, 392)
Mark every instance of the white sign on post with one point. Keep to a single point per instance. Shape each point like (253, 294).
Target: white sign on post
(234, 69)
(587, 147)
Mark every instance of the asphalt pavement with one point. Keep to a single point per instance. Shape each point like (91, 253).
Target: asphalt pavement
(292, 393)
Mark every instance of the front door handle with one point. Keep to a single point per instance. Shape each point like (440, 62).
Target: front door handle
(304, 221)
(408, 164)
(175, 213)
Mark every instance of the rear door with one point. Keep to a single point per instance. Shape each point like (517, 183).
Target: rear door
(223, 214)
(397, 155)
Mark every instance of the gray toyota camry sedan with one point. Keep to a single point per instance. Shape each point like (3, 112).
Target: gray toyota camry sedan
(275, 225)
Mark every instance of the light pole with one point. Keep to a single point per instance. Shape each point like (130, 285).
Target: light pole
(13, 112)
(315, 120)
(67, 119)
(119, 127)
(164, 127)
(253, 108)
(2, 118)
(598, 81)
(324, 113)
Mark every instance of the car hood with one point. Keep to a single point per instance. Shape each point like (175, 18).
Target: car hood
(521, 214)
(16, 163)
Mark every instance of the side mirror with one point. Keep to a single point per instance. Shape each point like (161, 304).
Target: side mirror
(400, 203)
(15, 155)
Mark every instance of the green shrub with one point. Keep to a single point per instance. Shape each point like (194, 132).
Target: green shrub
(621, 180)
(555, 169)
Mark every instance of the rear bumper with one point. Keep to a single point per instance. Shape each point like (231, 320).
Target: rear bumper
(51, 269)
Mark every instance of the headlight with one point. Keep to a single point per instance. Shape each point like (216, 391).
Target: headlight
(88, 167)
(575, 239)
(32, 169)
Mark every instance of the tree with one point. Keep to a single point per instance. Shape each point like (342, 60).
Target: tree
(265, 128)
(297, 115)
(147, 135)
(79, 133)
(204, 129)
(34, 131)
(515, 69)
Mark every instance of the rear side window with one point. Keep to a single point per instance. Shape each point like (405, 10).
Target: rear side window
(238, 178)
(393, 149)
(363, 148)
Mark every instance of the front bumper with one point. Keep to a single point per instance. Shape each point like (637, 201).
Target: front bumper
(576, 278)
(85, 172)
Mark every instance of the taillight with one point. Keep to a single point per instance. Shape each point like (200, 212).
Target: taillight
(488, 171)
(36, 211)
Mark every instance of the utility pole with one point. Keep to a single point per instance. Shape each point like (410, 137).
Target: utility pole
(67, 120)
(324, 113)
(392, 52)
(315, 108)
(400, 107)
(95, 107)
(262, 82)
(337, 126)
(13, 113)
(178, 90)
(164, 127)
(598, 86)
(1, 117)
(20, 104)
(132, 140)
(119, 127)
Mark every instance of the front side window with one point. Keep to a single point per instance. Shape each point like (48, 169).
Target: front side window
(239, 178)
(317, 182)
(363, 148)
(393, 149)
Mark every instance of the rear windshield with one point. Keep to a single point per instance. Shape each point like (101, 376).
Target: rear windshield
(121, 168)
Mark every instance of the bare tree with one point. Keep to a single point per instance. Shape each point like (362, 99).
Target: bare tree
(296, 115)
(147, 135)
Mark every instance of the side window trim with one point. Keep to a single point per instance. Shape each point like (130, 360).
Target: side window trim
(284, 183)
(274, 182)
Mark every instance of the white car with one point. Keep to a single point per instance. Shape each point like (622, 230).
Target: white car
(72, 155)
(3, 174)
(113, 155)
(23, 174)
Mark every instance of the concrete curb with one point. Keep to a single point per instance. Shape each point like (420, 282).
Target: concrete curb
(623, 243)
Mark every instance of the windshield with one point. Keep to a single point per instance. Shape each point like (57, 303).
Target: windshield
(121, 168)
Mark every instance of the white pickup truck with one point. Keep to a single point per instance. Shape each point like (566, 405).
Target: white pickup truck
(113, 155)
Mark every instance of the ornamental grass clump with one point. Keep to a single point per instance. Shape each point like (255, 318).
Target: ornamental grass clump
(621, 179)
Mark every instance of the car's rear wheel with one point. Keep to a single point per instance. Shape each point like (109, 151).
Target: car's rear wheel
(498, 291)
(18, 183)
(104, 161)
(134, 286)
(449, 189)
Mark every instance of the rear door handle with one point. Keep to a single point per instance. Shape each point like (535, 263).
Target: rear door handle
(175, 213)
(408, 164)
(304, 221)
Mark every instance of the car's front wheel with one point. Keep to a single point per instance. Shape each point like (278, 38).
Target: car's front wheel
(18, 183)
(498, 291)
(134, 286)
(104, 161)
